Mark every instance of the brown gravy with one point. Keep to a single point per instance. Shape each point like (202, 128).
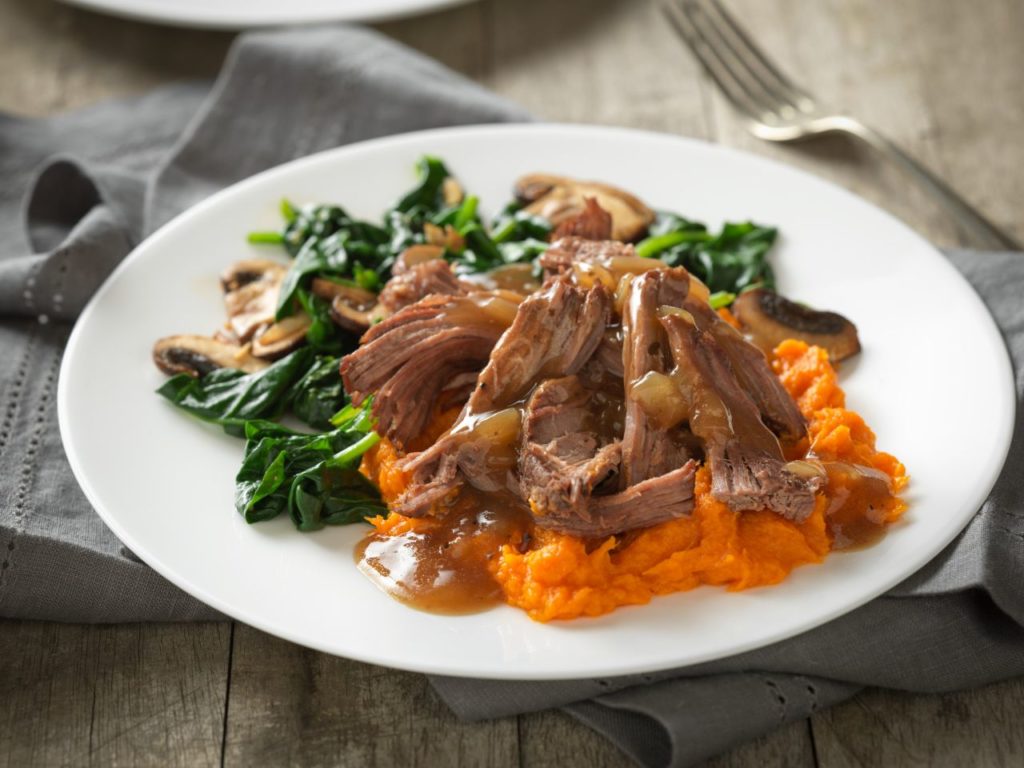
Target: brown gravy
(856, 505)
(445, 569)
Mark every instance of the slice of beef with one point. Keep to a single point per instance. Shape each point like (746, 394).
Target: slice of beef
(615, 258)
(745, 459)
(647, 450)
(604, 371)
(563, 456)
(754, 374)
(565, 461)
(411, 356)
(415, 282)
(555, 331)
(647, 503)
(592, 223)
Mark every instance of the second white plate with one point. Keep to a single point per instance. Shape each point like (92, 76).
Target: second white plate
(243, 14)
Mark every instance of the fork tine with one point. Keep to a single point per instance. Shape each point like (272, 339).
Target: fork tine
(770, 75)
(678, 13)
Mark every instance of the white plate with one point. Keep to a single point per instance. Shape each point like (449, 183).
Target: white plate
(240, 14)
(933, 380)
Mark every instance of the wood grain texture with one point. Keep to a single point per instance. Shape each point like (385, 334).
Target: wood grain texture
(594, 61)
(897, 67)
(969, 729)
(156, 695)
(127, 695)
(57, 57)
(292, 706)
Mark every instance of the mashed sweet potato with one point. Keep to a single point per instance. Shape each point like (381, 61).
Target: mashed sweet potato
(563, 577)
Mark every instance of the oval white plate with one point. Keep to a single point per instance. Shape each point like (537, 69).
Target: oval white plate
(163, 481)
(241, 14)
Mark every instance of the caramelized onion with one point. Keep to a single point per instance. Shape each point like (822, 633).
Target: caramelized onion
(661, 398)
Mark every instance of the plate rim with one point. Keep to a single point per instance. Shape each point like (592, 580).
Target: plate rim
(159, 12)
(1003, 361)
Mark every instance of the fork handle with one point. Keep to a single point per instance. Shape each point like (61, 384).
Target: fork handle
(984, 232)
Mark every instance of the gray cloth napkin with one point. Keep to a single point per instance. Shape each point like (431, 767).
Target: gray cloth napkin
(82, 189)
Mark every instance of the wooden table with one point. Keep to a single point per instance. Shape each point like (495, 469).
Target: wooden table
(941, 77)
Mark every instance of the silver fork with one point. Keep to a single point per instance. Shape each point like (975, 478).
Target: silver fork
(778, 110)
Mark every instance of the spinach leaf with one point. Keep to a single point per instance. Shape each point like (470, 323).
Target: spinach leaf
(324, 335)
(515, 224)
(318, 394)
(230, 397)
(427, 194)
(340, 254)
(317, 222)
(721, 299)
(731, 261)
(314, 478)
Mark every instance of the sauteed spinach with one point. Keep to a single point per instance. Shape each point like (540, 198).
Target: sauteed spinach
(730, 262)
(314, 478)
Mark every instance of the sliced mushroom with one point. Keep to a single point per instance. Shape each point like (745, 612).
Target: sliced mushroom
(329, 289)
(557, 199)
(282, 337)
(354, 309)
(249, 271)
(198, 355)
(768, 319)
(250, 294)
(448, 237)
(451, 191)
(416, 254)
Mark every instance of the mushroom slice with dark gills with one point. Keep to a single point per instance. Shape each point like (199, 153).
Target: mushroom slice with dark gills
(353, 308)
(558, 199)
(768, 319)
(250, 295)
(198, 355)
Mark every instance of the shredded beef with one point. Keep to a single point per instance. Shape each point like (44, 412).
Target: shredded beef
(554, 331)
(412, 283)
(646, 449)
(777, 408)
(565, 461)
(575, 444)
(407, 360)
(564, 252)
(592, 223)
(746, 462)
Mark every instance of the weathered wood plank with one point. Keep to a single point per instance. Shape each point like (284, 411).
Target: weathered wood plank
(65, 57)
(979, 728)
(453, 36)
(895, 66)
(790, 746)
(292, 706)
(126, 695)
(595, 61)
(554, 739)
